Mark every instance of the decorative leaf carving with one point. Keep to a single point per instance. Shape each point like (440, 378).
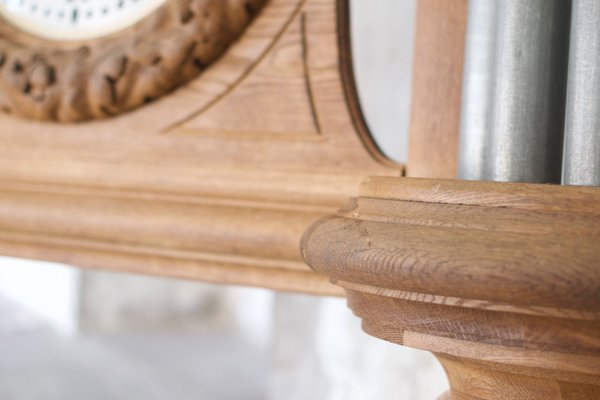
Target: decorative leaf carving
(47, 80)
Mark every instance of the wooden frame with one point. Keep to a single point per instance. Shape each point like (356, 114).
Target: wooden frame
(500, 281)
(174, 187)
(216, 181)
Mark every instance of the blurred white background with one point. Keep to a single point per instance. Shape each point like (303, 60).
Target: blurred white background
(71, 334)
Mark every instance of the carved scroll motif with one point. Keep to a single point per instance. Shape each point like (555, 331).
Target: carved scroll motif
(47, 80)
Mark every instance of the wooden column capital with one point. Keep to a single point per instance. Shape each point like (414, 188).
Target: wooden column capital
(501, 281)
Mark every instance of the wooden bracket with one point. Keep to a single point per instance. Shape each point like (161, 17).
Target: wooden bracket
(500, 281)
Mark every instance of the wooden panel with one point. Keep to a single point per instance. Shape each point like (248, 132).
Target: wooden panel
(216, 181)
(500, 280)
(437, 86)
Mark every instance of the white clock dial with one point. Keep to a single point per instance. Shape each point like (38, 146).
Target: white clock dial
(75, 19)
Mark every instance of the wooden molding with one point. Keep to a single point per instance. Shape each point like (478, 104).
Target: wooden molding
(501, 281)
(216, 181)
(48, 80)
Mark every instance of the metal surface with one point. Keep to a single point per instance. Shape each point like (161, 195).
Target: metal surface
(477, 88)
(582, 133)
(529, 91)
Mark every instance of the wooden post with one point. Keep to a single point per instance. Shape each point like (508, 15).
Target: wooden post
(436, 88)
(501, 281)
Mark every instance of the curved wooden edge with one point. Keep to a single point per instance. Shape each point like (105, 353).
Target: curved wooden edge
(526, 196)
(349, 84)
(473, 244)
(501, 281)
(473, 381)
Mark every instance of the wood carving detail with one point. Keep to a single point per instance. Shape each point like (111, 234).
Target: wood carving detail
(104, 77)
(501, 281)
(196, 185)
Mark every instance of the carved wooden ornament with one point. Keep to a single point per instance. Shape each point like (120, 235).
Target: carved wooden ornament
(66, 82)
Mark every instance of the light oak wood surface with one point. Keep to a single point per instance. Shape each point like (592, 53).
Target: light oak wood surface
(501, 281)
(436, 88)
(215, 181)
(219, 179)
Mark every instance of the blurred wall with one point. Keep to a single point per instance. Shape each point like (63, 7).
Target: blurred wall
(49, 291)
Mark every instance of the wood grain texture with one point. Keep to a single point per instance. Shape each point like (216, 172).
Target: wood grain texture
(436, 87)
(67, 82)
(500, 280)
(215, 181)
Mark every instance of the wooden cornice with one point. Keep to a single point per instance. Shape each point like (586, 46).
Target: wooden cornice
(100, 78)
(215, 181)
(501, 281)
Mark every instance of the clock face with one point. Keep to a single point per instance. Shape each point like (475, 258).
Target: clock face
(75, 19)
